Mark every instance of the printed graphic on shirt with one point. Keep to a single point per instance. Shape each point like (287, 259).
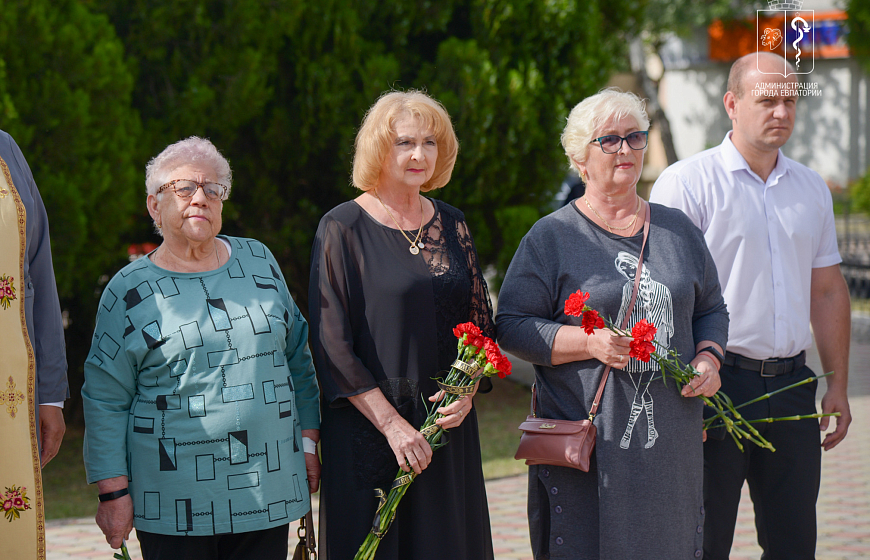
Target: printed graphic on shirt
(654, 303)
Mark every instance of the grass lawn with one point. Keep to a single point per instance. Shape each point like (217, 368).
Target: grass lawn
(499, 413)
(66, 492)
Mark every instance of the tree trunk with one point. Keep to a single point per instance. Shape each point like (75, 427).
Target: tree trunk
(651, 92)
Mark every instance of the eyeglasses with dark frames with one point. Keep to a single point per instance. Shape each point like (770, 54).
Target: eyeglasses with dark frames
(612, 143)
(185, 188)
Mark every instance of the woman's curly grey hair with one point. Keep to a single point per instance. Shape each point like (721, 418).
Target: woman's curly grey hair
(190, 151)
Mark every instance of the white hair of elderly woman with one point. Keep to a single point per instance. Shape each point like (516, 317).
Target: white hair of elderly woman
(588, 116)
(190, 151)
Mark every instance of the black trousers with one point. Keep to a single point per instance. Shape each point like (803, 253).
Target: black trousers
(783, 485)
(268, 544)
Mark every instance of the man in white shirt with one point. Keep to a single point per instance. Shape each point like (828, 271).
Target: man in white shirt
(769, 224)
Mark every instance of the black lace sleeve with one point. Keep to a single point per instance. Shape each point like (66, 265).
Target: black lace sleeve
(481, 306)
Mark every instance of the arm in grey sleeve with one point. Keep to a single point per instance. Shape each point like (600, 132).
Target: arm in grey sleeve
(710, 317)
(47, 336)
(525, 306)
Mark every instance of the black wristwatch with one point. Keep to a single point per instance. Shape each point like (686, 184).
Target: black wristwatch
(715, 353)
(113, 495)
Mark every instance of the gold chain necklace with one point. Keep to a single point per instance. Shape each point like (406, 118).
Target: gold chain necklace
(611, 228)
(416, 244)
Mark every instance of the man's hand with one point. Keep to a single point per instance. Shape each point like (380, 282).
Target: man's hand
(835, 401)
(51, 430)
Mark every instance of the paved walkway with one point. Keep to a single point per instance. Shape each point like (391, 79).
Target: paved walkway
(843, 509)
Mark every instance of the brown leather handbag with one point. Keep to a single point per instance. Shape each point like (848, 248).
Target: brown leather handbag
(306, 549)
(569, 443)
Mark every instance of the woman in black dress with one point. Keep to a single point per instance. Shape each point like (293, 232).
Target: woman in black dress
(392, 273)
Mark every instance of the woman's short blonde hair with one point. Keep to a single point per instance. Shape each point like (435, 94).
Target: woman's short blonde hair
(588, 116)
(190, 151)
(376, 136)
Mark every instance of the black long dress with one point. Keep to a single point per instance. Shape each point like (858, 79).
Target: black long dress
(382, 317)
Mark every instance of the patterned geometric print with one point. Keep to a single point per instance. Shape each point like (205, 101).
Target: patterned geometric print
(213, 434)
(654, 303)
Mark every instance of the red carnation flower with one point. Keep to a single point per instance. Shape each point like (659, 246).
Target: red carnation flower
(641, 349)
(592, 321)
(576, 303)
(644, 330)
(466, 328)
(492, 350)
(477, 340)
(503, 365)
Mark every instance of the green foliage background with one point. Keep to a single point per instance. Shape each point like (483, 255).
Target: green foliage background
(92, 89)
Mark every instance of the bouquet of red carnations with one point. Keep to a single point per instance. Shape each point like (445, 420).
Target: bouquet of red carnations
(477, 356)
(643, 348)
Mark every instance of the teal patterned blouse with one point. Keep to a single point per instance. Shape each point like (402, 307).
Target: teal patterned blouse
(197, 387)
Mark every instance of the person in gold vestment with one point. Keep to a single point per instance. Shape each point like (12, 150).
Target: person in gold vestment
(33, 382)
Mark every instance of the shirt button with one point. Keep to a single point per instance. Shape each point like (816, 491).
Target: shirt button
(559, 540)
(558, 509)
(700, 529)
(703, 511)
(554, 490)
(698, 554)
(546, 473)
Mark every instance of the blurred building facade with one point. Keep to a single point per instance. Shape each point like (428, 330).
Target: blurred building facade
(833, 122)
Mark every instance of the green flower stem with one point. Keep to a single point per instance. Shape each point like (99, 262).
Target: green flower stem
(782, 419)
(792, 386)
(125, 554)
(456, 378)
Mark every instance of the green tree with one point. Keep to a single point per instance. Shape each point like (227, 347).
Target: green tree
(858, 12)
(65, 98)
(281, 87)
(509, 84)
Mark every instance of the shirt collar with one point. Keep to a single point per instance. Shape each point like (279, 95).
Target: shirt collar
(734, 161)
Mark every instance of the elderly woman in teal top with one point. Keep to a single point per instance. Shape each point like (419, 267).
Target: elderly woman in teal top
(200, 398)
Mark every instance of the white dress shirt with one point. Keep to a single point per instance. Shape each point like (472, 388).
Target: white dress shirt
(765, 237)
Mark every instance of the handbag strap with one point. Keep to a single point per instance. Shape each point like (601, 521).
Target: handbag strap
(594, 410)
(307, 540)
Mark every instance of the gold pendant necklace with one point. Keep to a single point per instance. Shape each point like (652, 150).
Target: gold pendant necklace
(416, 244)
(611, 228)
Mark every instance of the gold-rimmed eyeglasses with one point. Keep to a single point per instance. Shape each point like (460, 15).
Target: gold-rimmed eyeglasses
(185, 188)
